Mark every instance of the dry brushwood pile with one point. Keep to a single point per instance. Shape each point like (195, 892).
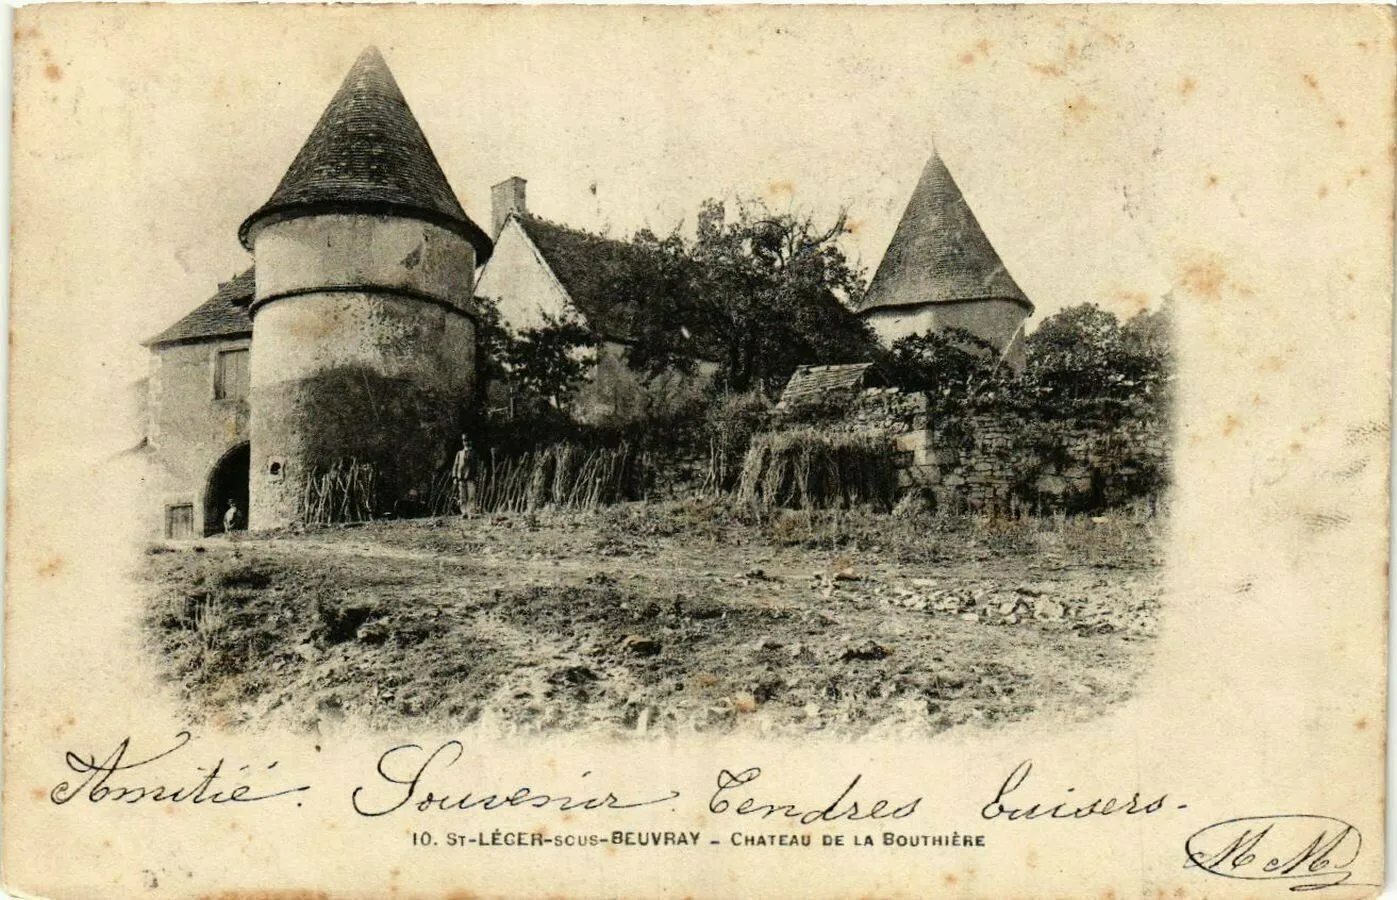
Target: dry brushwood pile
(809, 469)
(651, 619)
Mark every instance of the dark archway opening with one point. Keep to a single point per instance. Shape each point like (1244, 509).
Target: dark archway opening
(227, 484)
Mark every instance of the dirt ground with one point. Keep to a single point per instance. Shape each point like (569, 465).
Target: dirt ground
(650, 619)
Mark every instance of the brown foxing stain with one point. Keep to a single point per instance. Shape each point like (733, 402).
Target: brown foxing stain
(1080, 108)
(1312, 81)
(1058, 68)
(853, 226)
(776, 188)
(1322, 192)
(1295, 447)
(981, 50)
(1341, 123)
(51, 567)
(1213, 180)
(1273, 363)
(1361, 724)
(1187, 86)
(1206, 277)
(950, 879)
(1134, 301)
(38, 793)
(53, 73)
(1230, 424)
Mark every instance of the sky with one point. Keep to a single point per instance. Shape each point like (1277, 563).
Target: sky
(1110, 154)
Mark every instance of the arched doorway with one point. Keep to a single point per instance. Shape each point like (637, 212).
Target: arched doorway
(227, 482)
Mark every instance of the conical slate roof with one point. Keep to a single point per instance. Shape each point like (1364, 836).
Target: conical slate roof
(939, 253)
(368, 154)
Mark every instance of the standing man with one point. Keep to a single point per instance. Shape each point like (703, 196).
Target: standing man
(465, 482)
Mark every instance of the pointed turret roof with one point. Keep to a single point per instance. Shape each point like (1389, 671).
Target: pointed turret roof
(368, 154)
(939, 253)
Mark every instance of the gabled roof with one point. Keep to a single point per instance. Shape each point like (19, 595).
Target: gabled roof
(368, 154)
(812, 384)
(587, 265)
(224, 315)
(939, 253)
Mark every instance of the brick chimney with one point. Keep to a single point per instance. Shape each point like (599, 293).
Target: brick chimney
(505, 198)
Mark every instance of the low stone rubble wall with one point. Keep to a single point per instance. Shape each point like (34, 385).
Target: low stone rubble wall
(1006, 462)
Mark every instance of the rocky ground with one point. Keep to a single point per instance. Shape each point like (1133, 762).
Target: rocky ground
(659, 618)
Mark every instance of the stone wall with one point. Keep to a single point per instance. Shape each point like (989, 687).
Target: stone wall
(1009, 463)
(189, 429)
(1004, 462)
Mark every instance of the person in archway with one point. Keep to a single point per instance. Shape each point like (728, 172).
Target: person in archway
(231, 517)
(462, 474)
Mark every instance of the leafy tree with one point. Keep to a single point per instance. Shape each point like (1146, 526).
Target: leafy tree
(547, 362)
(774, 283)
(543, 365)
(758, 293)
(661, 289)
(954, 368)
(1082, 361)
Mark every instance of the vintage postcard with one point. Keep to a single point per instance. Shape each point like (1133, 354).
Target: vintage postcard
(722, 452)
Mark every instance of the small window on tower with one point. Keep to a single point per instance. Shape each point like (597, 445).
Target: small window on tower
(230, 377)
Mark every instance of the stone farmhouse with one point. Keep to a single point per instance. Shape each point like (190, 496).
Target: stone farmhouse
(362, 299)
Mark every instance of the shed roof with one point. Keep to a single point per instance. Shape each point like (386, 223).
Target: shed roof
(812, 384)
(368, 154)
(224, 315)
(939, 253)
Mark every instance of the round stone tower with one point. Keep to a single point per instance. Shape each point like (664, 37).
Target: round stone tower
(363, 345)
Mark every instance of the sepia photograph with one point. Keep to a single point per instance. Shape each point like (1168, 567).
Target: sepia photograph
(719, 475)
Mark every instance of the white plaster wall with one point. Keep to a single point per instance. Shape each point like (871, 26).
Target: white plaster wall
(518, 279)
(190, 431)
(996, 321)
(395, 337)
(364, 251)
